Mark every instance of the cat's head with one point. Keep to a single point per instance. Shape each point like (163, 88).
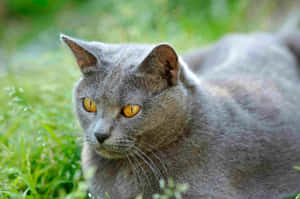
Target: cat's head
(129, 96)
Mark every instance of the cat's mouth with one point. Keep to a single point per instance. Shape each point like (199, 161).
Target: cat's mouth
(112, 151)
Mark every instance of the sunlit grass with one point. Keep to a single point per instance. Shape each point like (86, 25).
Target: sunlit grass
(40, 140)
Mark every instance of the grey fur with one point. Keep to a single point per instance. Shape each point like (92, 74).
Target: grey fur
(230, 128)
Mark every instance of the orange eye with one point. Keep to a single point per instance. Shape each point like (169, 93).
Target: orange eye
(89, 105)
(130, 110)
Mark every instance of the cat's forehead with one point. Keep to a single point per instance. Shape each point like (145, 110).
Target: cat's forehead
(116, 83)
(118, 86)
(123, 55)
(117, 64)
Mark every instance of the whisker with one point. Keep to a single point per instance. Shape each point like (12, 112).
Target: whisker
(147, 163)
(123, 145)
(132, 165)
(143, 170)
(123, 140)
(151, 149)
(156, 156)
(130, 137)
(121, 148)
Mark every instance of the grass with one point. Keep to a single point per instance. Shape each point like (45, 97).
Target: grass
(40, 140)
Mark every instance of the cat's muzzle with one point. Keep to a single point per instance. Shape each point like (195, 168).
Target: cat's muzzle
(113, 151)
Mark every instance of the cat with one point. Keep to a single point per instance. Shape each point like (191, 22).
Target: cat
(225, 118)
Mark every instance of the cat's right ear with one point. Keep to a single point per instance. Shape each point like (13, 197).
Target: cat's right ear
(83, 52)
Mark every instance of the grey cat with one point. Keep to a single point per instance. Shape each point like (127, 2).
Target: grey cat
(225, 119)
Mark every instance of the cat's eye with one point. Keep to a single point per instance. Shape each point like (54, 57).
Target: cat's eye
(89, 105)
(130, 110)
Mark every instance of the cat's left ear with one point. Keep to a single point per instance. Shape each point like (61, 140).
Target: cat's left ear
(292, 41)
(163, 62)
(83, 51)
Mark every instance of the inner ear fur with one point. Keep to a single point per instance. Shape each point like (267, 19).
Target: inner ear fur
(84, 58)
(162, 61)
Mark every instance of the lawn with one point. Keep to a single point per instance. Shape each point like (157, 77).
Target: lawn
(40, 139)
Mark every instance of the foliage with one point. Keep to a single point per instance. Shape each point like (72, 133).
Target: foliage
(131, 21)
(39, 141)
(33, 8)
(171, 190)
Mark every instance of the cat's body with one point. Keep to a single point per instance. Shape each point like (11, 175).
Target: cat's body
(230, 129)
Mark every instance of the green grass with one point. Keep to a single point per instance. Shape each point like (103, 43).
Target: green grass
(40, 140)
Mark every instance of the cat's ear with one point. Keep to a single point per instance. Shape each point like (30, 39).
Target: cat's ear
(83, 52)
(292, 41)
(163, 62)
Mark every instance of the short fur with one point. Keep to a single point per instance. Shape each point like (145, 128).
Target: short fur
(229, 126)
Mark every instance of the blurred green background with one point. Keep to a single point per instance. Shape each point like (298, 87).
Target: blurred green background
(39, 136)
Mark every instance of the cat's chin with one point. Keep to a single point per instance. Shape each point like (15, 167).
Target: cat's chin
(110, 154)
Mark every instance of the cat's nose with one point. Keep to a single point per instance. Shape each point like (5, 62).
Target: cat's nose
(101, 137)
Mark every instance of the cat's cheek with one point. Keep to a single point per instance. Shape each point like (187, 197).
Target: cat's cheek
(116, 135)
(85, 119)
(90, 137)
(134, 123)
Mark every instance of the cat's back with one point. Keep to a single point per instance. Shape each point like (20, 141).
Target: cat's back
(256, 72)
(251, 85)
(255, 76)
(255, 55)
